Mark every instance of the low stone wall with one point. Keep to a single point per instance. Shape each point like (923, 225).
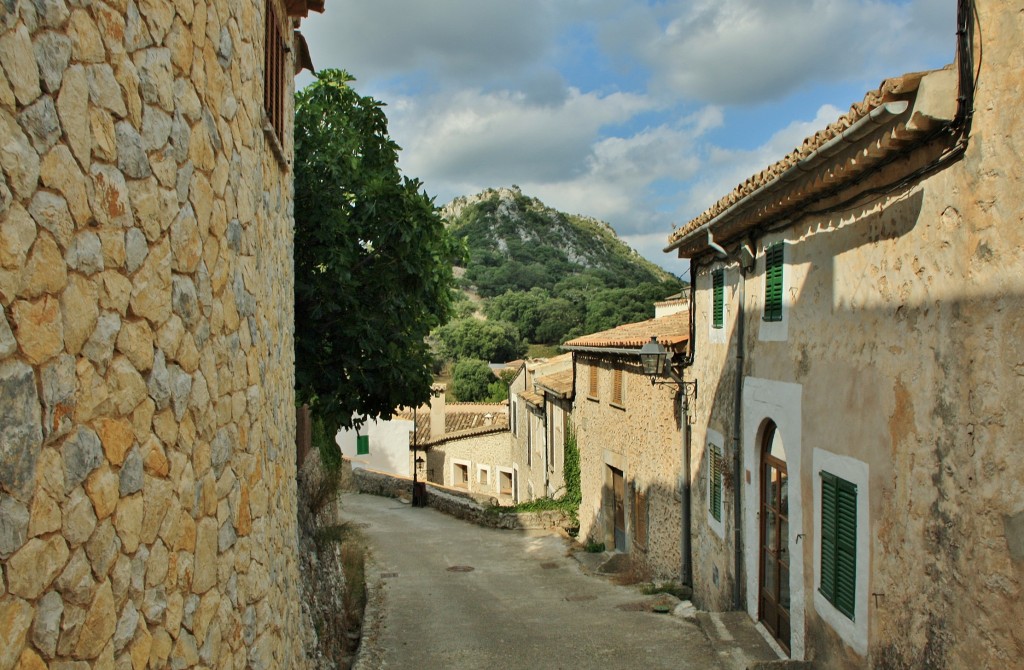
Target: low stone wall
(472, 507)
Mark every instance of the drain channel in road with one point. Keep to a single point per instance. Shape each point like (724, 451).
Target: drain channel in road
(461, 568)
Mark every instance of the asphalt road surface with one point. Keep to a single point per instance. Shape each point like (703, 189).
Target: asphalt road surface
(447, 594)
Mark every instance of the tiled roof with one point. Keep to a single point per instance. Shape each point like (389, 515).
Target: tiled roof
(893, 89)
(535, 399)
(671, 330)
(558, 383)
(464, 423)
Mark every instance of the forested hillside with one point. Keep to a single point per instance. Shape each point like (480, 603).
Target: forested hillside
(551, 275)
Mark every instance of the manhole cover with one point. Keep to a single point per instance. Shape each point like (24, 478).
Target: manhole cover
(661, 609)
(548, 566)
(461, 568)
(580, 598)
(385, 575)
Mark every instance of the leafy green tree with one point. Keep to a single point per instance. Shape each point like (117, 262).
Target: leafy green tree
(373, 260)
(484, 340)
(472, 379)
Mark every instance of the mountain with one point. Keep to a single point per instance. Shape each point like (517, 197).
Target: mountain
(518, 243)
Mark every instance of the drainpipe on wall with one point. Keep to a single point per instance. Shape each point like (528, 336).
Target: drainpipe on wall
(687, 534)
(687, 567)
(736, 446)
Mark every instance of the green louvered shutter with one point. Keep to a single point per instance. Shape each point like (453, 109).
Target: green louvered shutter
(828, 536)
(715, 493)
(846, 547)
(839, 543)
(362, 445)
(773, 265)
(718, 287)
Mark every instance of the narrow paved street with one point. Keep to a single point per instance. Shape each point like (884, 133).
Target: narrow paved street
(525, 603)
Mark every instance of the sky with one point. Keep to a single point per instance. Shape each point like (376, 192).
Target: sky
(641, 113)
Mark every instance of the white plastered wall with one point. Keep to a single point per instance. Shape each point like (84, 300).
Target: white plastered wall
(765, 399)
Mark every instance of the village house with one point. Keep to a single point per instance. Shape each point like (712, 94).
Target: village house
(458, 445)
(147, 466)
(630, 433)
(539, 407)
(856, 342)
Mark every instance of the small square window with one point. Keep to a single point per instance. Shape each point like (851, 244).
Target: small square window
(461, 475)
(506, 482)
(362, 445)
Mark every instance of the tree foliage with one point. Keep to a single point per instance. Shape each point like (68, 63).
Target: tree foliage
(471, 380)
(495, 341)
(373, 260)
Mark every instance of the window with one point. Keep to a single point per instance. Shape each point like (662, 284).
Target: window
(617, 386)
(718, 309)
(505, 482)
(639, 517)
(461, 475)
(715, 481)
(839, 542)
(593, 381)
(362, 445)
(483, 476)
(513, 401)
(773, 263)
(274, 74)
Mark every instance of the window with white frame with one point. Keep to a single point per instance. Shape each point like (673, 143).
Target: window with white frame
(460, 474)
(483, 475)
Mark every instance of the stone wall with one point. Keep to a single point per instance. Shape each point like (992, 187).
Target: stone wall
(460, 504)
(642, 439)
(147, 478)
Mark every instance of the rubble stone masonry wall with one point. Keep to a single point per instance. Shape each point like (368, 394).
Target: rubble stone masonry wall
(147, 477)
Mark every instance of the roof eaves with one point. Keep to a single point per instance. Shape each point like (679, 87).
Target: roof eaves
(880, 109)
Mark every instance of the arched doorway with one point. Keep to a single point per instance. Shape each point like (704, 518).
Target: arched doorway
(773, 590)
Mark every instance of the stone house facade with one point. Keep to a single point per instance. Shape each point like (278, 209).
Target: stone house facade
(539, 417)
(856, 342)
(629, 434)
(147, 416)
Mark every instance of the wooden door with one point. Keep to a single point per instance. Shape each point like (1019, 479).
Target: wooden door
(773, 603)
(619, 501)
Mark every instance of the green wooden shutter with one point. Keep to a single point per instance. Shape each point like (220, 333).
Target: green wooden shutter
(828, 536)
(718, 286)
(773, 266)
(839, 543)
(362, 445)
(715, 492)
(846, 548)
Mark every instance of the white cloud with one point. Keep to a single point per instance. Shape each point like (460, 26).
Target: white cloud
(447, 40)
(504, 137)
(749, 51)
(727, 168)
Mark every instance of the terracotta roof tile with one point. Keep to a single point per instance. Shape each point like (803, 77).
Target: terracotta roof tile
(671, 331)
(471, 421)
(535, 399)
(891, 89)
(559, 383)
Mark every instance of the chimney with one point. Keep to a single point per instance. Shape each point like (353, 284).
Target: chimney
(437, 411)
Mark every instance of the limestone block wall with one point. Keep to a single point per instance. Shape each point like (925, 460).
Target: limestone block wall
(642, 439)
(147, 495)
